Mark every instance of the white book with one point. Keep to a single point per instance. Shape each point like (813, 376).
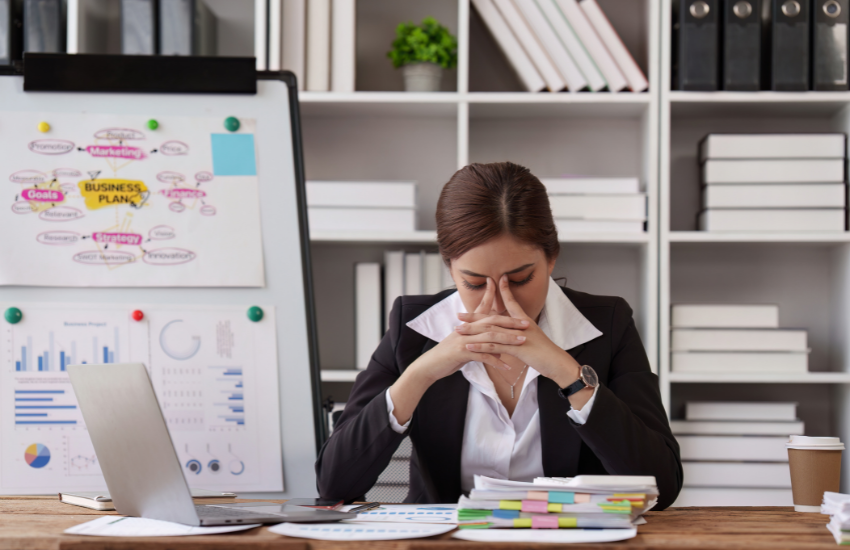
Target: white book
(725, 316)
(432, 273)
(600, 207)
(294, 40)
(343, 45)
(750, 362)
(593, 186)
(367, 311)
(552, 45)
(275, 34)
(733, 447)
(318, 45)
(731, 427)
(553, 79)
(361, 219)
(261, 36)
(773, 171)
(362, 193)
(737, 474)
(786, 220)
(634, 76)
(687, 339)
(393, 281)
(750, 496)
(787, 195)
(566, 226)
(593, 44)
(778, 146)
(413, 274)
(517, 57)
(768, 411)
(568, 38)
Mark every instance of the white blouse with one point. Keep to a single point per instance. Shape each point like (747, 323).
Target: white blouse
(496, 444)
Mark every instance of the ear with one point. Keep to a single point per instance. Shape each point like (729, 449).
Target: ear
(552, 265)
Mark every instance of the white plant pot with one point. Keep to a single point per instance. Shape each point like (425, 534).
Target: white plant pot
(422, 77)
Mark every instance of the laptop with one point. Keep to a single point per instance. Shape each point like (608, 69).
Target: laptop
(139, 463)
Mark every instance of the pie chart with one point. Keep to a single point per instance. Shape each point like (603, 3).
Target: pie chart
(37, 455)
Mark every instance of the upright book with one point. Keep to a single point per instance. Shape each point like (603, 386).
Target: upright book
(186, 27)
(294, 38)
(790, 45)
(829, 43)
(343, 45)
(318, 45)
(393, 281)
(742, 45)
(576, 49)
(600, 55)
(139, 27)
(698, 49)
(367, 311)
(44, 26)
(609, 36)
(510, 46)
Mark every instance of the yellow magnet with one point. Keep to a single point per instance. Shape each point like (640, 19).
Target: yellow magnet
(43, 127)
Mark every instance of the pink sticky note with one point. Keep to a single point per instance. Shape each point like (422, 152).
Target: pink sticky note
(535, 506)
(544, 522)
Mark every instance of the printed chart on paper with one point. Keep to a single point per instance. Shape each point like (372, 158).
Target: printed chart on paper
(103, 200)
(214, 372)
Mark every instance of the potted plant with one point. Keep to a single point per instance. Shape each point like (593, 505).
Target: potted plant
(423, 51)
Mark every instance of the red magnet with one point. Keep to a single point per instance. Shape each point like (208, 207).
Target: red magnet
(137, 315)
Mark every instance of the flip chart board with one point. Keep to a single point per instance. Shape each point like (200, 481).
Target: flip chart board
(152, 228)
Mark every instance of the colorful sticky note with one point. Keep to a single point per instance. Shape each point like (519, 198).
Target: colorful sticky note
(233, 155)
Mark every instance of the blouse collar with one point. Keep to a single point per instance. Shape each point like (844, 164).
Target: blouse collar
(560, 319)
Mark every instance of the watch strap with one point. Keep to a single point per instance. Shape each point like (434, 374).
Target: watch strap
(575, 387)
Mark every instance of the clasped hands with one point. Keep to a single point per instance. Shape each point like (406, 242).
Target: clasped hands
(486, 335)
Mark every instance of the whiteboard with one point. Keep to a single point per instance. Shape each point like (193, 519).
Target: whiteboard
(285, 244)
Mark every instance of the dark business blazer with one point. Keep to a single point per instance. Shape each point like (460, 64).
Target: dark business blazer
(627, 432)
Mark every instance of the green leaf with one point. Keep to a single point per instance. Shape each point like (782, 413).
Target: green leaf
(428, 42)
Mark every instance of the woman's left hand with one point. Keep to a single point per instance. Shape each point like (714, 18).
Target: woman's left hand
(538, 351)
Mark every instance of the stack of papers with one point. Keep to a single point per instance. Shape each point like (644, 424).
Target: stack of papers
(837, 506)
(589, 502)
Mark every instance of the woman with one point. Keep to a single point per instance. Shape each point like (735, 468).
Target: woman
(509, 376)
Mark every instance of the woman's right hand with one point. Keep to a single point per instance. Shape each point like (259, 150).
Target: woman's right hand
(451, 353)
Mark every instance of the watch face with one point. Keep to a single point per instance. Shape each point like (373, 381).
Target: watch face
(588, 376)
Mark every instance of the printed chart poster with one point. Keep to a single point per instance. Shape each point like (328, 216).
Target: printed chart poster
(213, 370)
(102, 200)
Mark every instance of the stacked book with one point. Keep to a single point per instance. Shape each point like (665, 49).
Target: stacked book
(583, 502)
(735, 338)
(733, 454)
(361, 206)
(405, 274)
(561, 44)
(315, 40)
(596, 205)
(773, 182)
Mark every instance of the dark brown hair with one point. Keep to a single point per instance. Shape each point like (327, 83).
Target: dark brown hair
(483, 201)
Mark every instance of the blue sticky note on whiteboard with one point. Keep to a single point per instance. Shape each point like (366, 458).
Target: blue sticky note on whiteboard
(233, 155)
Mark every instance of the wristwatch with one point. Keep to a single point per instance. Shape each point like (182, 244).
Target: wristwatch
(587, 379)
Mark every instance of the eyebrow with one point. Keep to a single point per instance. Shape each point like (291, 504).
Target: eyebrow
(511, 272)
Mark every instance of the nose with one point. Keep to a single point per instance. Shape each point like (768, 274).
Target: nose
(498, 303)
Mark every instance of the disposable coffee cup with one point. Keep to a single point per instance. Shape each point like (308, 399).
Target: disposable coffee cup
(815, 468)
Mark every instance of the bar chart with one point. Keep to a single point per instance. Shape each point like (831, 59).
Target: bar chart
(46, 361)
(229, 404)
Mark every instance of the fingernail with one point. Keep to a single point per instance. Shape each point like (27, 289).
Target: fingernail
(470, 347)
(524, 323)
(521, 338)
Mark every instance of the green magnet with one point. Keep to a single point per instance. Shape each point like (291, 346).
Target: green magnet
(13, 315)
(231, 124)
(254, 313)
(152, 124)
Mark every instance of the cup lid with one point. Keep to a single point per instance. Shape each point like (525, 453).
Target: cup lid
(815, 443)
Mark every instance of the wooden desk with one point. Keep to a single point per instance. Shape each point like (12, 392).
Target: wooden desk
(31, 523)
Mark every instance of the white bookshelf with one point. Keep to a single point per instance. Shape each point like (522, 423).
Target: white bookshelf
(806, 274)
(382, 133)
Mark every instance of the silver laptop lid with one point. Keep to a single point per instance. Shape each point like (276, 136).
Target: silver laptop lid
(132, 443)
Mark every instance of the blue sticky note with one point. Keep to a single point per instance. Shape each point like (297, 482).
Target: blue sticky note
(560, 497)
(233, 155)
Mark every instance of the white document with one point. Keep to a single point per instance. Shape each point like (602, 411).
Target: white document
(773, 171)
(443, 514)
(733, 448)
(213, 370)
(101, 200)
(600, 207)
(768, 219)
(686, 339)
(562, 536)
(115, 526)
(786, 195)
(593, 186)
(355, 531)
(781, 146)
(725, 316)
